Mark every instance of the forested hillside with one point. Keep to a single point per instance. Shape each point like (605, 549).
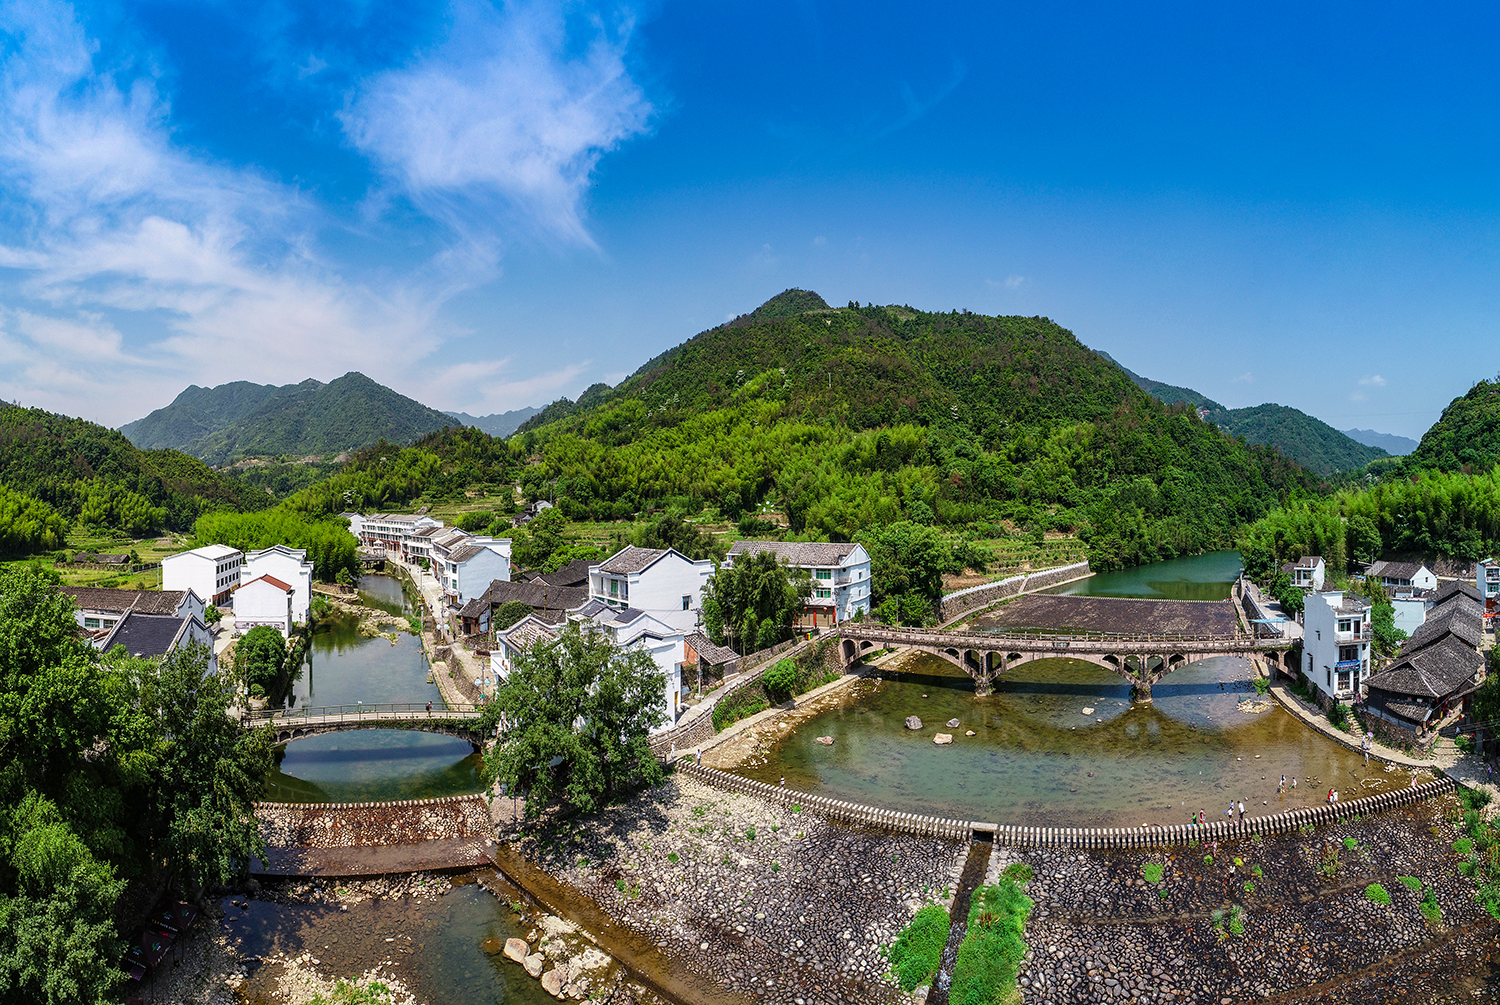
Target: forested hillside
(250, 420)
(1310, 442)
(851, 418)
(91, 475)
(1467, 435)
(1169, 393)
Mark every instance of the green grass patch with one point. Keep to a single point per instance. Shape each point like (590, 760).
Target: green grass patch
(1019, 872)
(1464, 846)
(1350, 844)
(1377, 893)
(918, 948)
(991, 954)
(1412, 883)
(1152, 872)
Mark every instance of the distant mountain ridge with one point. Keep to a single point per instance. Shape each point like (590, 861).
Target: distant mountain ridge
(500, 424)
(1310, 442)
(241, 419)
(1392, 444)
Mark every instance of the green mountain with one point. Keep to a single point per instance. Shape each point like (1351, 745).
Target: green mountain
(850, 418)
(1396, 446)
(200, 411)
(247, 420)
(1467, 435)
(1310, 442)
(1169, 393)
(497, 424)
(95, 476)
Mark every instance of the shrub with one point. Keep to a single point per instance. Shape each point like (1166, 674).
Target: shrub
(1377, 893)
(1338, 714)
(475, 520)
(1463, 846)
(1464, 745)
(1249, 886)
(750, 833)
(1237, 920)
(672, 857)
(780, 678)
(1412, 883)
(1430, 909)
(1152, 871)
(1019, 872)
(991, 953)
(1350, 844)
(918, 948)
(1262, 685)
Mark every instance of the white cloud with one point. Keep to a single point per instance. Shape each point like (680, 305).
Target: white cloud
(1244, 378)
(1376, 381)
(511, 106)
(214, 272)
(1009, 282)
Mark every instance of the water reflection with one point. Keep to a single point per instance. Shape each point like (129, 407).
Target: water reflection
(1199, 577)
(1060, 743)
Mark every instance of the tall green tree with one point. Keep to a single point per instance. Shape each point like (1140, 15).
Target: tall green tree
(907, 562)
(575, 718)
(260, 659)
(751, 604)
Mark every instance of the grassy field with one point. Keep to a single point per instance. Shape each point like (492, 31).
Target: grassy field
(148, 550)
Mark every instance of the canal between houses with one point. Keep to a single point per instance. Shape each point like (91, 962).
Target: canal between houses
(370, 765)
(1060, 742)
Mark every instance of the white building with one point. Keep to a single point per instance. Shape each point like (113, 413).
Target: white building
(1487, 580)
(840, 575)
(212, 572)
(469, 569)
(1398, 574)
(1307, 572)
(152, 636)
(97, 609)
(290, 566)
(389, 531)
(1410, 608)
(650, 579)
(1336, 646)
(264, 600)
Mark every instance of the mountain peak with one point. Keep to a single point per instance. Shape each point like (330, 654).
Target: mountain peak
(789, 303)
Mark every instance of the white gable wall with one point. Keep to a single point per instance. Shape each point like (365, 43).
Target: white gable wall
(291, 567)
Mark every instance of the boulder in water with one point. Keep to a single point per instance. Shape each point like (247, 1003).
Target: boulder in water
(826, 741)
(553, 981)
(516, 949)
(943, 738)
(953, 723)
(912, 722)
(533, 964)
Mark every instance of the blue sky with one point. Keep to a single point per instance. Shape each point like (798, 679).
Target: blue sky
(487, 206)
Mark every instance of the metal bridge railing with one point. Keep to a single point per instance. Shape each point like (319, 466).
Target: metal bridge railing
(361, 712)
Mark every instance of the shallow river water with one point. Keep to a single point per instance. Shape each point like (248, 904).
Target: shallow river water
(374, 764)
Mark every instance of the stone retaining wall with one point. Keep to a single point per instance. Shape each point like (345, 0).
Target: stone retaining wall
(355, 825)
(961, 602)
(862, 815)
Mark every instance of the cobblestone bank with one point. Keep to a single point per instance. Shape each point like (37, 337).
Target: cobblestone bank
(1102, 932)
(364, 825)
(764, 898)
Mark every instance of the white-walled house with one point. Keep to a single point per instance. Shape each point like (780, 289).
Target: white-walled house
(290, 566)
(469, 569)
(212, 572)
(1399, 574)
(1307, 572)
(152, 636)
(99, 609)
(1487, 580)
(650, 579)
(840, 575)
(1336, 644)
(1410, 607)
(389, 531)
(264, 600)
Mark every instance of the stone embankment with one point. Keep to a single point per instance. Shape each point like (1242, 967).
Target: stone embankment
(352, 825)
(766, 899)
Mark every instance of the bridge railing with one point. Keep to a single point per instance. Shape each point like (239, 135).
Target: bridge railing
(362, 712)
(879, 632)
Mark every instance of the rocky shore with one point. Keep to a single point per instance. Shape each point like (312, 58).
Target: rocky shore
(768, 901)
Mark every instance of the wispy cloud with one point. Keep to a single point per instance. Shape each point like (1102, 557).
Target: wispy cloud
(511, 107)
(1245, 378)
(914, 107)
(1376, 381)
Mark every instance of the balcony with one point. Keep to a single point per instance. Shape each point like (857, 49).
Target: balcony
(1360, 634)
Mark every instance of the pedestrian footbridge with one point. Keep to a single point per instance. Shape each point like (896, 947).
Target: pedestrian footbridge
(462, 721)
(1141, 659)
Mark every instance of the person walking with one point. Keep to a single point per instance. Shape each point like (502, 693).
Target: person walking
(1242, 811)
(783, 781)
(1202, 818)
(1282, 787)
(429, 709)
(700, 757)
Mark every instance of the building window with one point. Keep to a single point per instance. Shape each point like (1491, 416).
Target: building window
(614, 587)
(687, 603)
(91, 622)
(1330, 678)
(1344, 680)
(824, 573)
(1348, 653)
(822, 594)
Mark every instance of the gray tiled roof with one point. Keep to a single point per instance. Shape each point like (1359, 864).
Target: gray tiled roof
(525, 634)
(1432, 672)
(1449, 620)
(1457, 587)
(802, 553)
(465, 552)
(537, 595)
(146, 634)
(708, 652)
(631, 559)
(575, 573)
(90, 598)
(1308, 562)
(1395, 570)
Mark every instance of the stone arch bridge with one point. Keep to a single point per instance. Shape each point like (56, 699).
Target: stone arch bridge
(461, 721)
(1141, 659)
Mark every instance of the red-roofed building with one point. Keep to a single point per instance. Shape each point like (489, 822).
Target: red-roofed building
(265, 600)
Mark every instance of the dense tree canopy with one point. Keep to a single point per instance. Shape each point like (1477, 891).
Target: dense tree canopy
(585, 704)
(751, 604)
(111, 769)
(907, 562)
(330, 546)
